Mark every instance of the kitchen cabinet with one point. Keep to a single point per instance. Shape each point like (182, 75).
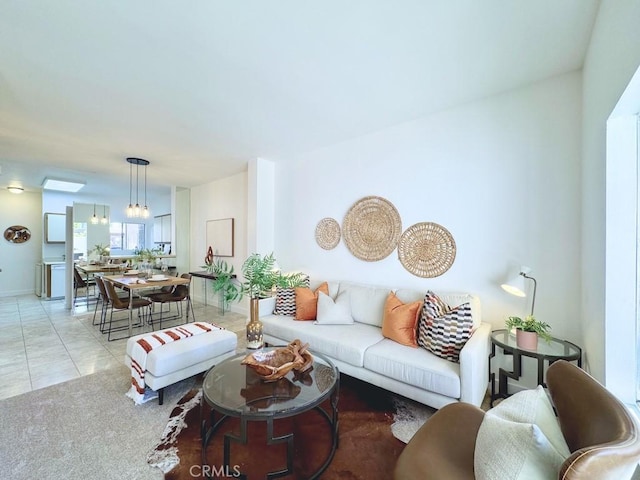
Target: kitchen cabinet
(53, 281)
(55, 227)
(162, 229)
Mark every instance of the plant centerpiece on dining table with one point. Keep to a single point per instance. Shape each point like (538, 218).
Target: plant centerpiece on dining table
(102, 251)
(261, 276)
(528, 330)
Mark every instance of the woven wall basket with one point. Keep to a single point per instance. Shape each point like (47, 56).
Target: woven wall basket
(427, 249)
(371, 228)
(328, 233)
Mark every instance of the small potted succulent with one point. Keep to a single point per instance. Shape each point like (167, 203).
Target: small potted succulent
(528, 330)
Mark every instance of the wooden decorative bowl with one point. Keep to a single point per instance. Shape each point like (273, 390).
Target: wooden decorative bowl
(275, 364)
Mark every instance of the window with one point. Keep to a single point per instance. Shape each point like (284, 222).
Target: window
(124, 238)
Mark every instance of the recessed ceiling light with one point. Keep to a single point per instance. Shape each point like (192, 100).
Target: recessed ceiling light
(61, 185)
(15, 189)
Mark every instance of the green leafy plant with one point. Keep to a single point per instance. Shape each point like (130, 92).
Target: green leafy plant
(260, 276)
(224, 283)
(530, 324)
(147, 254)
(102, 250)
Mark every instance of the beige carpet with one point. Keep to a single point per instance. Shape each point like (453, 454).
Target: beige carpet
(83, 429)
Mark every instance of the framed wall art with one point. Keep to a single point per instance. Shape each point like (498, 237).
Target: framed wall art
(220, 237)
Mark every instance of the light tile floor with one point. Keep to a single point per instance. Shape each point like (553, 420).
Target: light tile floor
(42, 343)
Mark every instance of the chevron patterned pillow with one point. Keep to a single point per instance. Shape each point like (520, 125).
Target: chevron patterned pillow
(443, 330)
(286, 300)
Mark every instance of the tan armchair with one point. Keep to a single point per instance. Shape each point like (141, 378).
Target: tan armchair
(601, 434)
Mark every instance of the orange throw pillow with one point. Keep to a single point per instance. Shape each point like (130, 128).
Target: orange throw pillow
(307, 301)
(400, 320)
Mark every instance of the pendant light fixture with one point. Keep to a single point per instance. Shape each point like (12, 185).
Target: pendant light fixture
(104, 220)
(135, 211)
(94, 220)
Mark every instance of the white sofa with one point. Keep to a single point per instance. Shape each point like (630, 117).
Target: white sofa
(359, 349)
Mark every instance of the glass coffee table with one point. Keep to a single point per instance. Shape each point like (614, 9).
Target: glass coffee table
(233, 390)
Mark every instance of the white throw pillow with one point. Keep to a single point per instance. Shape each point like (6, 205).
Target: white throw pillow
(520, 439)
(509, 450)
(533, 406)
(334, 313)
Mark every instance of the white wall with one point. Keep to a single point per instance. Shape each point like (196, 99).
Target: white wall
(18, 260)
(612, 59)
(226, 198)
(502, 175)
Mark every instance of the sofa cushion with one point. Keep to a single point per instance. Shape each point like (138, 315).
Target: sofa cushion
(450, 298)
(334, 286)
(444, 330)
(336, 312)
(286, 299)
(414, 366)
(367, 302)
(400, 320)
(346, 343)
(307, 301)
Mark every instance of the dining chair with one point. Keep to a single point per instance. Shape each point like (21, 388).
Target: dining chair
(103, 302)
(179, 294)
(78, 283)
(118, 304)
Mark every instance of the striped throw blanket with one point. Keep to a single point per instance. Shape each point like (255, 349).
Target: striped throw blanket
(146, 344)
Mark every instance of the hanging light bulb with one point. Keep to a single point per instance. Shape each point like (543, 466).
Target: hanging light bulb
(130, 207)
(104, 220)
(145, 210)
(94, 220)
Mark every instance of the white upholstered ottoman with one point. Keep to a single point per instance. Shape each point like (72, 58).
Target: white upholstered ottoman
(181, 359)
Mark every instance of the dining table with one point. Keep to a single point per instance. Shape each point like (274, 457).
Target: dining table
(136, 283)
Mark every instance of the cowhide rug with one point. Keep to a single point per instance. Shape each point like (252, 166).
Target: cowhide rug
(367, 447)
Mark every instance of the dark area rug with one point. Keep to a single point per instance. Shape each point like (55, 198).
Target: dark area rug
(367, 448)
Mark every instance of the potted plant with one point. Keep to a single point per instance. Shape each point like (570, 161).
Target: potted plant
(528, 330)
(102, 251)
(260, 276)
(225, 282)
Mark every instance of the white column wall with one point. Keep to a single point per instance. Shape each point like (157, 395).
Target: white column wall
(612, 59)
(226, 198)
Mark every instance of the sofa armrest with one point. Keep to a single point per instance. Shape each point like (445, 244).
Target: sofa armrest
(266, 306)
(474, 366)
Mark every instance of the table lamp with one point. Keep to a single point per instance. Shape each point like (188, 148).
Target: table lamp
(516, 285)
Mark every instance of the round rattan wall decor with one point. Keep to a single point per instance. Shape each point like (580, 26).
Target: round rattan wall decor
(427, 249)
(328, 233)
(371, 228)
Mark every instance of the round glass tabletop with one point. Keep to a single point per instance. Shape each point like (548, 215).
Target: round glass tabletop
(554, 349)
(235, 389)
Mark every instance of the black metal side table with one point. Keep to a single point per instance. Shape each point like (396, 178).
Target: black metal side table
(551, 351)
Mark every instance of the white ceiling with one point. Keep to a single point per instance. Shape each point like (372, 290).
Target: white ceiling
(200, 87)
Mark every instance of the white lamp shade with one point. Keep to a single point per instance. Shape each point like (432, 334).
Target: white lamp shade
(515, 286)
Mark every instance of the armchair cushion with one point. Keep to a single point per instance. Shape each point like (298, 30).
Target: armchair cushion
(520, 438)
(511, 450)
